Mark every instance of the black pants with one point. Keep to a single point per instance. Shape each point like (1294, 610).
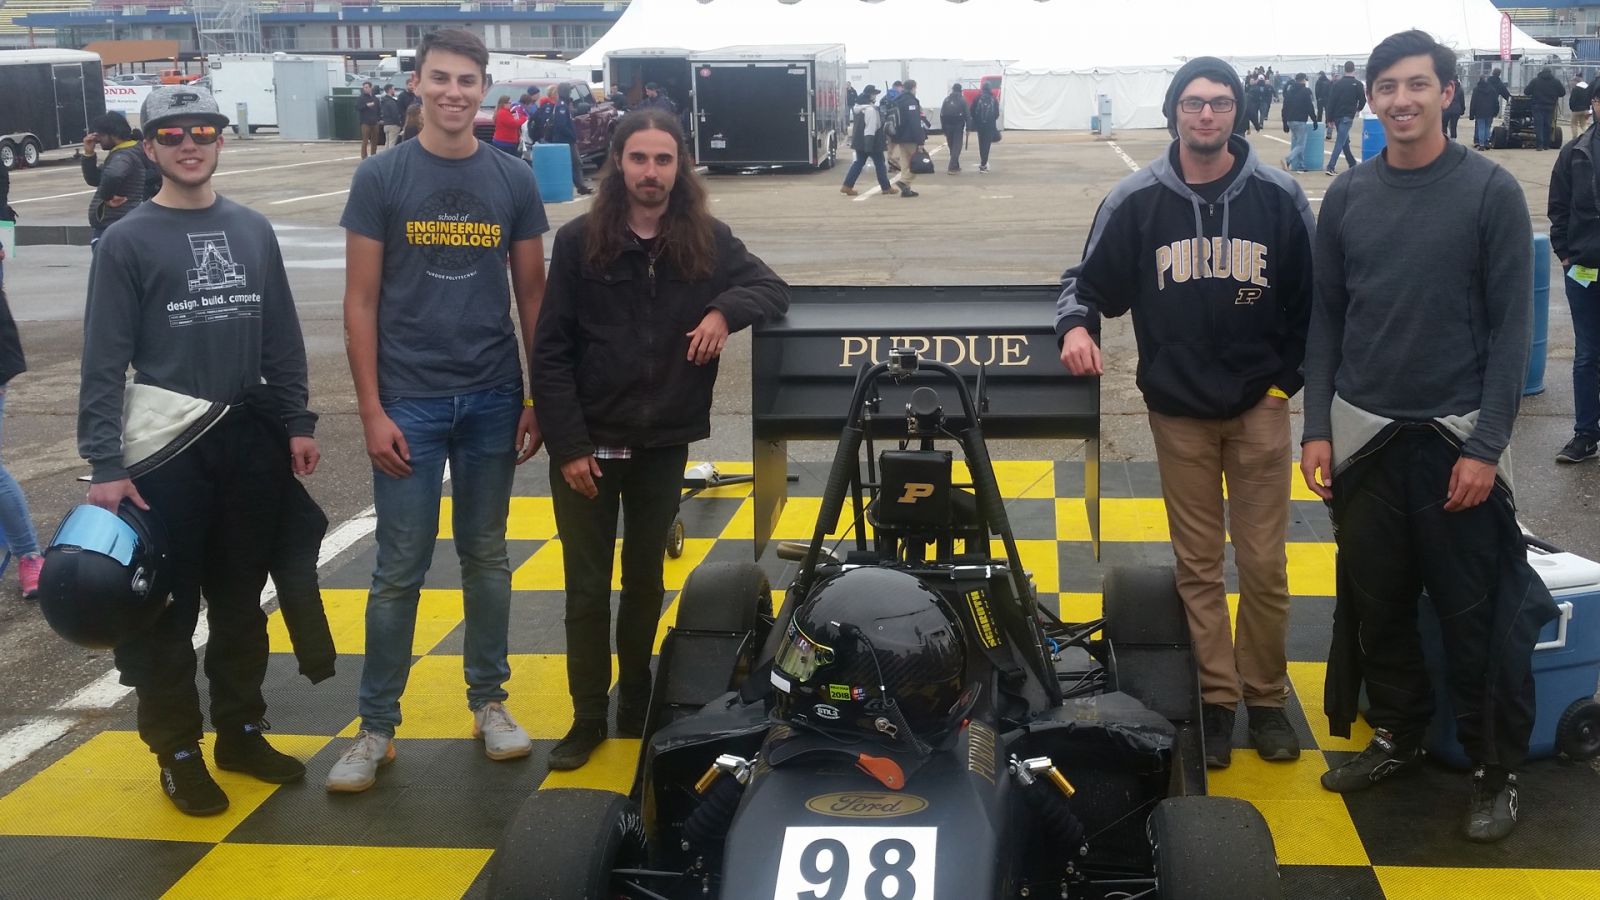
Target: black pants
(219, 502)
(953, 136)
(985, 139)
(1450, 121)
(647, 488)
(1395, 540)
(577, 164)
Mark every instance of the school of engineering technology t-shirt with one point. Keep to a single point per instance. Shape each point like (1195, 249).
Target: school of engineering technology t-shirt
(444, 309)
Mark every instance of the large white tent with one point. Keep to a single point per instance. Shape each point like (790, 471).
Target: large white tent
(1064, 53)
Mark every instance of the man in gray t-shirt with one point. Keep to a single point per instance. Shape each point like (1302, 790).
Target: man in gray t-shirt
(430, 229)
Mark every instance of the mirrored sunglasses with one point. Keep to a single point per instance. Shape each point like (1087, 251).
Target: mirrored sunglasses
(202, 135)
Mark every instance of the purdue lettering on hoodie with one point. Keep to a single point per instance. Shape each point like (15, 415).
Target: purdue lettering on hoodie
(1220, 289)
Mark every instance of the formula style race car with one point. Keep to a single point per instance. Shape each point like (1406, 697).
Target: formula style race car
(912, 723)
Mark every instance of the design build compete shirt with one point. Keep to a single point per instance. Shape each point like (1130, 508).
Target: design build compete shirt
(447, 225)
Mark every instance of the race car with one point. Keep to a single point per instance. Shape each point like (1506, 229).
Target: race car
(911, 723)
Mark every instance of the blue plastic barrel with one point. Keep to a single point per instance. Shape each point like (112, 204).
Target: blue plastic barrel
(1541, 315)
(1312, 158)
(552, 169)
(1372, 137)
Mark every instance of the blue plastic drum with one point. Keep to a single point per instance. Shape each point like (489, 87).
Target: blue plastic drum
(552, 169)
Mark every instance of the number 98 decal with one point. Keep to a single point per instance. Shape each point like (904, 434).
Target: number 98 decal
(856, 864)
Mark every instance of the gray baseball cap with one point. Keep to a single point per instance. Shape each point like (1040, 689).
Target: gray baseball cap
(179, 101)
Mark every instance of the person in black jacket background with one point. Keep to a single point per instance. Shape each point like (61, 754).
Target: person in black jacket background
(642, 295)
(1546, 92)
(1485, 108)
(867, 140)
(1574, 209)
(1299, 113)
(1345, 100)
(1452, 113)
(1578, 98)
(1211, 252)
(121, 183)
(1321, 91)
(953, 122)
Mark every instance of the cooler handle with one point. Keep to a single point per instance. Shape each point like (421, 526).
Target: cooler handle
(1561, 628)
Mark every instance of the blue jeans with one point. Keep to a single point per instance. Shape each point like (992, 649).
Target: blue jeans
(1297, 145)
(15, 523)
(879, 165)
(1341, 141)
(1480, 131)
(1585, 304)
(1542, 124)
(476, 433)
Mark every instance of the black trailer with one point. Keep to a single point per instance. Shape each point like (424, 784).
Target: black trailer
(770, 106)
(47, 98)
(665, 67)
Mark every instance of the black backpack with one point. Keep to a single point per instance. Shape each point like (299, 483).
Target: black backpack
(954, 108)
(891, 118)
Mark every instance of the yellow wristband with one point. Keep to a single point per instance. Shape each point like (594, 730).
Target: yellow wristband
(1273, 391)
(527, 402)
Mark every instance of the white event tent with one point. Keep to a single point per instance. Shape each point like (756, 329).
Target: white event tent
(1063, 54)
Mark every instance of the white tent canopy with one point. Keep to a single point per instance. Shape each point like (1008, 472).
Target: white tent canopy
(1066, 52)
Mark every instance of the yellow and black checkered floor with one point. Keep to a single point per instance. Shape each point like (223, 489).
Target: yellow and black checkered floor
(94, 824)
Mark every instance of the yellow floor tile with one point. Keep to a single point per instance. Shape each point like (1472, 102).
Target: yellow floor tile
(1121, 519)
(1416, 883)
(543, 572)
(1308, 679)
(438, 614)
(109, 788)
(797, 522)
(435, 701)
(1017, 479)
(304, 872)
(611, 768)
(1040, 559)
(530, 519)
(1311, 570)
(1312, 834)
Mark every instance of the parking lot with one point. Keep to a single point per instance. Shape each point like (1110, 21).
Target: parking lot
(1021, 224)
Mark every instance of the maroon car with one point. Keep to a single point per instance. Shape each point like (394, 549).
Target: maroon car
(593, 119)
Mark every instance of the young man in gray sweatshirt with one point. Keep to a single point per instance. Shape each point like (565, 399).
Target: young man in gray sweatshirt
(1414, 368)
(191, 292)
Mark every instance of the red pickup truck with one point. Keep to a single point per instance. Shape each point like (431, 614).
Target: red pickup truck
(593, 119)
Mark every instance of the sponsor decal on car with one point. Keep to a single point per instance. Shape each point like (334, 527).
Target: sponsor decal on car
(866, 805)
(983, 619)
(824, 711)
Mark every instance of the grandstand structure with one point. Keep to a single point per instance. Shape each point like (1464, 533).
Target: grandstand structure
(357, 29)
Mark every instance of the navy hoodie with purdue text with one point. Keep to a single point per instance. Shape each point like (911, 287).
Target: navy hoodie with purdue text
(1220, 290)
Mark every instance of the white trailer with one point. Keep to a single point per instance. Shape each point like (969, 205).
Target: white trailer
(248, 78)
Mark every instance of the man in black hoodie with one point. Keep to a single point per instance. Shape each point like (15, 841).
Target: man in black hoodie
(1547, 91)
(1321, 90)
(1345, 100)
(1211, 251)
(1299, 114)
(1485, 108)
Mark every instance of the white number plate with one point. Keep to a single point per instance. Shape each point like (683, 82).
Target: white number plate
(718, 144)
(856, 863)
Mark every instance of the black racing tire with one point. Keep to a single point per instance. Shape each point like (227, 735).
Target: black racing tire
(1499, 137)
(1142, 606)
(723, 596)
(1578, 731)
(563, 845)
(1556, 136)
(675, 538)
(1212, 848)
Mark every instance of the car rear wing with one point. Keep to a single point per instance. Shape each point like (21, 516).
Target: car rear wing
(806, 366)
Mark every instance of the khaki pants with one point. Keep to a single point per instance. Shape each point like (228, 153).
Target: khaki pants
(371, 137)
(1252, 451)
(901, 154)
(1580, 123)
(391, 135)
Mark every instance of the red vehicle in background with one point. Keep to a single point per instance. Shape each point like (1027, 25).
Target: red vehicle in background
(993, 81)
(593, 119)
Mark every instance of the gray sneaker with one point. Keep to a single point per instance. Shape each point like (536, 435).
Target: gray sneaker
(502, 737)
(357, 769)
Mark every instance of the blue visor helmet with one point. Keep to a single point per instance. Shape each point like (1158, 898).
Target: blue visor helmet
(105, 575)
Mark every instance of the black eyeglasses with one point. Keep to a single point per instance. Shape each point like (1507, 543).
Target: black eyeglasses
(1195, 104)
(202, 135)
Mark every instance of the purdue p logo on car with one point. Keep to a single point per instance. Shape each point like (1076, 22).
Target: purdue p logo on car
(866, 805)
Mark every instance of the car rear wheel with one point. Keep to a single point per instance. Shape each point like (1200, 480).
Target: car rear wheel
(725, 597)
(565, 844)
(1212, 848)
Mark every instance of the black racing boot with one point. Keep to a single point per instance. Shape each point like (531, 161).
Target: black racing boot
(245, 749)
(1492, 814)
(1217, 726)
(580, 742)
(1384, 757)
(188, 785)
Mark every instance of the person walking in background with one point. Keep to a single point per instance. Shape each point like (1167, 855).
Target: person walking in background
(868, 141)
(564, 131)
(1299, 113)
(904, 124)
(1578, 98)
(120, 184)
(1458, 105)
(1485, 108)
(953, 122)
(367, 113)
(22, 542)
(985, 119)
(391, 115)
(654, 99)
(1346, 99)
(1324, 83)
(1547, 92)
(1574, 210)
(1219, 357)
(507, 125)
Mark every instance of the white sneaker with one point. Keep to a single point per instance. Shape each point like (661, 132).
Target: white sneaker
(357, 769)
(502, 737)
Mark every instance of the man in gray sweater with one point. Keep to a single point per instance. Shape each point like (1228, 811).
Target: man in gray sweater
(1414, 368)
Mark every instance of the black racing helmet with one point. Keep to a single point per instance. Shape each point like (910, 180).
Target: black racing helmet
(105, 575)
(873, 654)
